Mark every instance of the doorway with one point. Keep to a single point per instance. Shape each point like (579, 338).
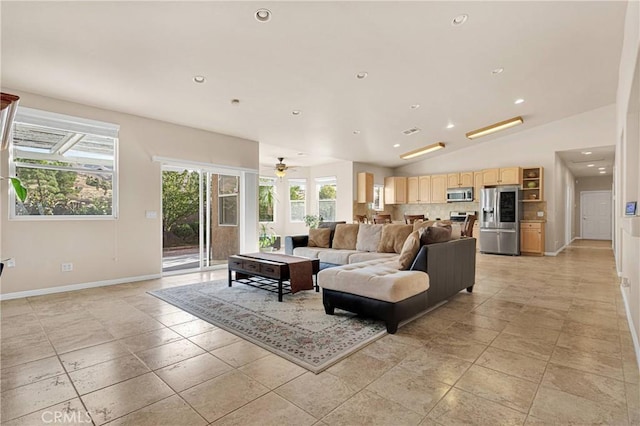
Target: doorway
(200, 218)
(595, 215)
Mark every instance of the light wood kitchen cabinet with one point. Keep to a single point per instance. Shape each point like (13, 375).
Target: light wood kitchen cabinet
(532, 238)
(502, 176)
(439, 188)
(365, 187)
(418, 189)
(533, 184)
(477, 185)
(395, 190)
(460, 180)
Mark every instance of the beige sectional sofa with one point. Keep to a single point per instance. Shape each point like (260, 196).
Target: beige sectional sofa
(385, 271)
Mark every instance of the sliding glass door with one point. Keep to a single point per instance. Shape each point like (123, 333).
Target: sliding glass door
(200, 218)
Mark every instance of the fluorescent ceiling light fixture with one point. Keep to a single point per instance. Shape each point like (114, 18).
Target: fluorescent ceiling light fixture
(587, 152)
(518, 101)
(396, 145)
(590, 165)
(421, 151)
(495, 127)
(450, 126)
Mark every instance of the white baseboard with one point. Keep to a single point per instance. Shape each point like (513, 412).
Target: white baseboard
(557, 252)
(81, 286)
(634, 332)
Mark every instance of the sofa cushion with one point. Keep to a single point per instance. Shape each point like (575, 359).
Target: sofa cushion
(421, 224)
(320, 237)
(310, 252)
(374, 279)
(368, 237)
(393, 237)
(436, 234)
(335, 256)
(365, 256)
(410, 249)
(345, 236)
(455, 228)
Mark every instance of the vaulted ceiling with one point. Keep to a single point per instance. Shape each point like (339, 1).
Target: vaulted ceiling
(141, 58)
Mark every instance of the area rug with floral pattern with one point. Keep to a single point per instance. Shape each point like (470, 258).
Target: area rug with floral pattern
(296, 328)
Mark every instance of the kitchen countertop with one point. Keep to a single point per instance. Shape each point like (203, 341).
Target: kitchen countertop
(533, 221)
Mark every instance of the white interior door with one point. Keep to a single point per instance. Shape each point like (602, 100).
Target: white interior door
(595, 209)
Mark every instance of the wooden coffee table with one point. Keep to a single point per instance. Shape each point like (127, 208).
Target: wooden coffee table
(266, 274)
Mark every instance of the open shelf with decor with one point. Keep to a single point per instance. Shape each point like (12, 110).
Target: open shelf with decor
(532, 184)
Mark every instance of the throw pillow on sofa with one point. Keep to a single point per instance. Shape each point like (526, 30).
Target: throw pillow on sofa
(422, 224)
(409, 250)
(455, 228)
(368, 237)
(436, 234)
(345, 236)
(320, 237)
(393, 237)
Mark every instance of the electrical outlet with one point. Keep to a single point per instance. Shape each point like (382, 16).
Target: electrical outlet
(66, 267)
(11, 262)
(540, 214)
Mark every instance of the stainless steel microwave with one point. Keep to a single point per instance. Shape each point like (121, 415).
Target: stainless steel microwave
(459, 194)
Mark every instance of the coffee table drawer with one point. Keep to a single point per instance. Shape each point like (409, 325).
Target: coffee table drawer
(236, 264)
(270, 271)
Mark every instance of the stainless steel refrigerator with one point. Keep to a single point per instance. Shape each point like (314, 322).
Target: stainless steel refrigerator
(500, 215)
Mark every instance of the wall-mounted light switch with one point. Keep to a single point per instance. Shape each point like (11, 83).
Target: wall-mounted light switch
(151, 214)
(540, 214)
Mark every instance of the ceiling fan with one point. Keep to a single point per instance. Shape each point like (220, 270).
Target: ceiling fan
(281, 168)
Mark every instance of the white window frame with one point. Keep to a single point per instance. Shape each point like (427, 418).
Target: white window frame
(272, 182)
(299, 182)
(322, 181)
(380, 205)
(222, 196)
(72, 124)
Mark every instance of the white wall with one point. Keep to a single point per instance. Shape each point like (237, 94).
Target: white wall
(130, 246)
(627, 187)
(563, 185)
(532, 147)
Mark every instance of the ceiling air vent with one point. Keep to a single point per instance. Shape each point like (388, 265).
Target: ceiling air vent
(410, 131)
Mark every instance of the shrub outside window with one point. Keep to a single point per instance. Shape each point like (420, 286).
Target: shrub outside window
(67, 164)
(266, 199)
(327, 194)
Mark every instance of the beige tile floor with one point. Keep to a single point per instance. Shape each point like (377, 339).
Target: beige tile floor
(539, 341)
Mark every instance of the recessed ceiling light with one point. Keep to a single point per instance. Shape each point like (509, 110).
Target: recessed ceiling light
(602, 172)
(460, 19)
(396, 145)
(590, 165)
(362, 75)
(497, 71)
(235, 101)
(518, 101)
(302, 154)
(415, 106)
(587, 152)
(450, 126)
(263, 15)
(356, 132)
(199, 79)
(601, 168)
(296, 112)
